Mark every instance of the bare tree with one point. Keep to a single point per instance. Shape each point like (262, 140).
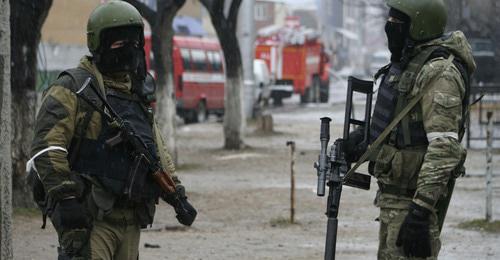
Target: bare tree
(5, 159)
(162, 36)
(26, 20)
(224, 21)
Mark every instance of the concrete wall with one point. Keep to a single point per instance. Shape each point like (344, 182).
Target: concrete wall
(67, 21)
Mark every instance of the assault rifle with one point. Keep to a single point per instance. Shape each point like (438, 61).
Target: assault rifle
(332, 167)
(126, 133)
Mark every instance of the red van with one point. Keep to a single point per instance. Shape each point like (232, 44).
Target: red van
(198, 77)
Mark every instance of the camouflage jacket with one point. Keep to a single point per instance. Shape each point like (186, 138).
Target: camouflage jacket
(57, 122)
(427, 170)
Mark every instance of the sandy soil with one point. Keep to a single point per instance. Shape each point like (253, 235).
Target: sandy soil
(242, 197)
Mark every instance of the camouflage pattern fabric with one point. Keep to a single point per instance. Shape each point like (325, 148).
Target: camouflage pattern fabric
(390, 223)
(73, 244)
(58, 121)
(424, 171)
(60, 114)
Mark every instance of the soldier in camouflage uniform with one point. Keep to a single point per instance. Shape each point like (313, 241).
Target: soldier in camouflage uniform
(85, 179)
(423, 154)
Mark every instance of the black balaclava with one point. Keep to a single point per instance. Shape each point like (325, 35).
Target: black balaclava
(397, 34)
(127, 58)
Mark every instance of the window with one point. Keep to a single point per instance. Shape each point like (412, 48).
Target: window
(214, 58)
(216, 61)
(186, 59)
(260, 12)
(199, 60)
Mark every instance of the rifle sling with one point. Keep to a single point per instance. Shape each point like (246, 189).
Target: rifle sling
(380, 139)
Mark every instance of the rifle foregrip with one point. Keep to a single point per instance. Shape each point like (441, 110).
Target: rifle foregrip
(165, 181)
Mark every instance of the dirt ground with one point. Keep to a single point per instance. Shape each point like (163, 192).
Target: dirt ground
(242, 199)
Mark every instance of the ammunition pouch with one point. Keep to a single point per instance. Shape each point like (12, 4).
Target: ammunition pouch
(137, 178)
(100, 202)
(145, 213)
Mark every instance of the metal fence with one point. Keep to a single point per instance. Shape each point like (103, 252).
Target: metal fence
(489, 101)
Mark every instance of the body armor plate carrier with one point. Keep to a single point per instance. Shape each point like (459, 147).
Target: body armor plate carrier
(116, 167)
(392, 97)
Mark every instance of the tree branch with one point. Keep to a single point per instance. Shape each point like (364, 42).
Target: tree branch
(218, 8)
(179, 3)
(145, 11)
(215, 8)
(165, 9)
(233, 12)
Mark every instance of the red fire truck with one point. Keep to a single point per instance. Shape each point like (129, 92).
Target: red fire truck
(198, 76)
(296, 59)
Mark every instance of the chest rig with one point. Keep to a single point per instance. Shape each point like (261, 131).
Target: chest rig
(114, 166)
(393, 96)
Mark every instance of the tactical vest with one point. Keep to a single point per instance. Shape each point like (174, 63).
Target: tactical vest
(392, 98)
(116, 167)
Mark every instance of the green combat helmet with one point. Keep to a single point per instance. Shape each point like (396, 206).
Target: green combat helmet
(109, 15)
(428, 17)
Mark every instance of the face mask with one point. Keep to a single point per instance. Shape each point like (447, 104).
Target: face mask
(123, 59)
(396, 37)
(397, 30)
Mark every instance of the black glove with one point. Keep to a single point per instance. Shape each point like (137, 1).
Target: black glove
(70, 214)
(186, 213)
(414, 232)
(355, 145)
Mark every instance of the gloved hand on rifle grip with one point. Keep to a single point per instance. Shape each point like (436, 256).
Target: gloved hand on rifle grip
(70, 214)
(355, 146)
(186, 213)
(414, 234)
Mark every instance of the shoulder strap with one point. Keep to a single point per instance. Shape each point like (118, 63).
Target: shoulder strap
(375, 145)
(413, 67)
(79, 75)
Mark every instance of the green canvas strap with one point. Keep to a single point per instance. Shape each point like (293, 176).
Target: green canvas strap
(375, 145)
(409, 76)
(404, 86)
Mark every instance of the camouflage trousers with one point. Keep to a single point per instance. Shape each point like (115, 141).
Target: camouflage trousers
(115, 237)
(390, 223)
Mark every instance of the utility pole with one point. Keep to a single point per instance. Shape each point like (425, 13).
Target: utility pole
(246, 37)
(6, 252)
